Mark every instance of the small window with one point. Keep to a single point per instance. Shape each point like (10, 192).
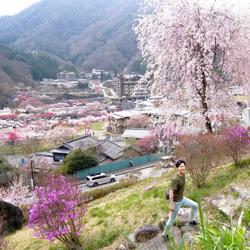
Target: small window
(58, 157)
(95, 174)
(99, 177)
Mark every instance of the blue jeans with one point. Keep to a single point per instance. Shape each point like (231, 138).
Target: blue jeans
(185, 202)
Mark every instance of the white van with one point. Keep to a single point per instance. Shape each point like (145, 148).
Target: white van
(96, 179)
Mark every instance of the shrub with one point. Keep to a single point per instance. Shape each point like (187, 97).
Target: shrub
(58, 212)
(245, 162)
(237, 140)
(202, 153)
(12, 137)
(4, 165)
(147, 144)
(77, 160)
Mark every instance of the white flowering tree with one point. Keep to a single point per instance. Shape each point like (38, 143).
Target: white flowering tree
(196, 51)
(17, 193)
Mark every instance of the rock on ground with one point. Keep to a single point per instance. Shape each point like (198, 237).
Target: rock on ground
(146, 233)
(230, 203)
(12, 217)
(181, 228)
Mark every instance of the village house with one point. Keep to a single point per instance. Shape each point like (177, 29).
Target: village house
(126, 85)
(104, 151)
(84, 143)
(118, 120)
(66, 76)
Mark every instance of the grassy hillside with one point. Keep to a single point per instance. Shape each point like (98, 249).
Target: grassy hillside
(110, 219)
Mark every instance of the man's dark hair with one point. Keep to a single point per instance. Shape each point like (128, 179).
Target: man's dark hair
(179, 162)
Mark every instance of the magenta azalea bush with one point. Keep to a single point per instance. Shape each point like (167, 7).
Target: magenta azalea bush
(237, 140)
(58, 211)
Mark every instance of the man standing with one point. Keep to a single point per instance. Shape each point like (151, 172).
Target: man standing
(131, 163)
(177, 200)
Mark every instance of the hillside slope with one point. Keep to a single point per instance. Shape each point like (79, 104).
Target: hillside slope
(109, 220)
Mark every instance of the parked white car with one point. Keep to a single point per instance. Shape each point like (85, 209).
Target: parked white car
(96, 179)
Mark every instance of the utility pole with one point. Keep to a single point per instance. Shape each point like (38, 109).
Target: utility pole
(67, 116)
(32, 174)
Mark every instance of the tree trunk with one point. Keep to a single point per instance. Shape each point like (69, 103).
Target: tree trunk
(202, 92)
(208, 124)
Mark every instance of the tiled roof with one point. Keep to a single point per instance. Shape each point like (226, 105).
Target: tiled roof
(135, 133)
(111, 149)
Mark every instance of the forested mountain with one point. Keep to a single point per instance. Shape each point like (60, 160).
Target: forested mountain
(16, 66)
(88, 33)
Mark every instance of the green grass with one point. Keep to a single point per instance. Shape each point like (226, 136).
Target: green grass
(154, 193)
(102, 239)
(24, 240)
(246, 215)
(245, 163)
(97, 126)
(20, 149)
(218, 180)
(102, 192)
(99, 212)
(131, 141)
(235, 195)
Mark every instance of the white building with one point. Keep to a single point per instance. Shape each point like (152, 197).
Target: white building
(246, 117)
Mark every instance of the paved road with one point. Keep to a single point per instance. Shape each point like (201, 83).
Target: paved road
(143, 172)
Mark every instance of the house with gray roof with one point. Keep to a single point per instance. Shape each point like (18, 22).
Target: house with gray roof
(84, 143)
(104, 151)
(112, 150)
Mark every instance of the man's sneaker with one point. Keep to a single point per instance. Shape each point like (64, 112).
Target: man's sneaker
(193, 223)
(165, 237)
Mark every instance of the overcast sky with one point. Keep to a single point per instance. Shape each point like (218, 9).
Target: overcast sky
(11, 7)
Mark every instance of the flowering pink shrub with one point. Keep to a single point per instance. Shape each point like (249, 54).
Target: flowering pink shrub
(147, 144)
(237, 140)
(8, 117)
(58, 212)
(202, 152)
(12, 137)
(26, 99)
(47, 115)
